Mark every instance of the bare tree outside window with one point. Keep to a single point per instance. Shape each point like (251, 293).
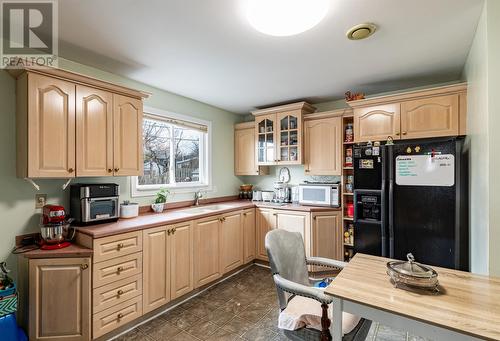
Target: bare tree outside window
(166, 157)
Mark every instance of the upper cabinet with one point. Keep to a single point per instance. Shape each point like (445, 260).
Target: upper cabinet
(278, 132)
(245, 161)
(425, 113)
(323, 146)
(70, 125)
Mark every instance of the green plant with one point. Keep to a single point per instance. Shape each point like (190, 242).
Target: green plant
(161, 196)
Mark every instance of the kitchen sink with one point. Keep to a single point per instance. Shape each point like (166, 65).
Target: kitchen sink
(206, 209)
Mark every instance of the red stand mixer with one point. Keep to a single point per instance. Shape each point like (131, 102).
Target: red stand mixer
(54, 228)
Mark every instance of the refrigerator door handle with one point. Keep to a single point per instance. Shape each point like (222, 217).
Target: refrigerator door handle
(391, 219)
(383, 225)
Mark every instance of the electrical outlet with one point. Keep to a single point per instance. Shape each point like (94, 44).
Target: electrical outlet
(40, 200)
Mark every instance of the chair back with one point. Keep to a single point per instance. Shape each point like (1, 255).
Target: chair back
(287, 257)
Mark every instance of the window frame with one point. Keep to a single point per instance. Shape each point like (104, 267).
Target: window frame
(205, 161)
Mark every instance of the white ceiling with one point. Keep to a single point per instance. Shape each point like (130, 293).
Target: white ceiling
(206, 50)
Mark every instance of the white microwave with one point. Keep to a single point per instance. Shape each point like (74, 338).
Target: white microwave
(317, 194)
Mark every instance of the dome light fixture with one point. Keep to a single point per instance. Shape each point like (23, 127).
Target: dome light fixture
(361, 31)
(283, 18)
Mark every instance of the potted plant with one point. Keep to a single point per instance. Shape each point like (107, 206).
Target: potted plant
(161, 199)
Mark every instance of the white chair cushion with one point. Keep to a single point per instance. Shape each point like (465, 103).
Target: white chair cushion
(305, 312)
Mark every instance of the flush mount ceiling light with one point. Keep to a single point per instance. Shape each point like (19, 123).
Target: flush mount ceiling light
(285, 17)
(361, 31)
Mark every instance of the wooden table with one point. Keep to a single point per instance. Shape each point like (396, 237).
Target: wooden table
(467, 308)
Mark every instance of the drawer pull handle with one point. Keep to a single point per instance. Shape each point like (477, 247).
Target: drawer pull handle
(119, 269)
(120, 246)
(120, 292)
(120, 315)
(117, 169)
(84, 266)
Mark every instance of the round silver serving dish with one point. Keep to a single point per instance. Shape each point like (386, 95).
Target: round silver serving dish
(412, 274)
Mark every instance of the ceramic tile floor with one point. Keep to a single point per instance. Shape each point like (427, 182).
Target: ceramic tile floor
(243, 307)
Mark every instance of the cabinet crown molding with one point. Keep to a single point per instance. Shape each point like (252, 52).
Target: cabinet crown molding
(81, 79)
(409, 95)
(344, 112)
(303, 106)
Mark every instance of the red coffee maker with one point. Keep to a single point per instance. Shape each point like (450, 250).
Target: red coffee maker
(54, 228)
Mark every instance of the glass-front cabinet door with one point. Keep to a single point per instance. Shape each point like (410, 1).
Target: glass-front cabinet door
(289, 137)
(266, 147)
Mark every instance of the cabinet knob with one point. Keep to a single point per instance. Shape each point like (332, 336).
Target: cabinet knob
(119, 246)
(173, 230)
(405, 132)
(120, 315)
(314, 218)
(120, 292)
(71, 170)
(117, 169)
(119, 269)
(307, 171)
(110, 170)
(245, 214)
(397, 134)
(84, 266)
(168, 232)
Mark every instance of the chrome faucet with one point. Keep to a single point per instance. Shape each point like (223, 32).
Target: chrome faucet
(197, 196)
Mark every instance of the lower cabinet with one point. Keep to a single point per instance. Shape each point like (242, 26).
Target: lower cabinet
(59, 299)
(249, 247)
(182, 259)
(265, 221)
(327, 239)
(294, 221)
(231, 242)
(206, 253)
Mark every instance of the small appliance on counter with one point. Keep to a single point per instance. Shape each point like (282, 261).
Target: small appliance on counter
(54, 228)
(282, 192)
(129, 209)
(267, 196)
(319, 194)
(94, 203)
(257, 195)
(246, 191)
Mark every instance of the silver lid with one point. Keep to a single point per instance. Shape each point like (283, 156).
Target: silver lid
(412, 268)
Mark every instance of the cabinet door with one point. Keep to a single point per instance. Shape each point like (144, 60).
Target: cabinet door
(94, 132)
(244, 152)
(289, 137)
(265, 130)
(127, 136)
(249, 235)
(231, 244)
(265, 221)
(156, 268)
(51, 127)
(181, 251)
(206, 251)
(430, 117)
(323, 146)
(59, 299)
(296, 222)
(377, 123)
(327, 235)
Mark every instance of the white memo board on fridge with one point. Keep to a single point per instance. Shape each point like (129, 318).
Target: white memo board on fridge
(425, 170)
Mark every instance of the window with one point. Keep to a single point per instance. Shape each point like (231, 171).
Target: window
(175, 153)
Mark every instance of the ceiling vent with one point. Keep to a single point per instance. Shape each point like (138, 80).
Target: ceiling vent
(361, 31)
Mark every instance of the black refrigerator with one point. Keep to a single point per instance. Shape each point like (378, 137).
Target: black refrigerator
(412, 197)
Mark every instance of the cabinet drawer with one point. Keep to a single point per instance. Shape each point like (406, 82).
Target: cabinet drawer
(117, 246)
(112, 294)
(116, 269)
(116, 316)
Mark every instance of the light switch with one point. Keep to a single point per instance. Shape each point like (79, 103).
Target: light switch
(40, 200)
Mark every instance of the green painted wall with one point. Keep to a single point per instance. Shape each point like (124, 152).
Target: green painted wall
(17, 211)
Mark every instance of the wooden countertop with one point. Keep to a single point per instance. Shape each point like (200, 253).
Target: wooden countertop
(174, 216)
(468, 303)
(71, 251)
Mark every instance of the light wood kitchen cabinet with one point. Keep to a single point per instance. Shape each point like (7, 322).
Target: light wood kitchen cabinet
(45, 127)
(156, 269)
(327, 239)
(94, 132)
(265, 221)
(278, 132)
(430, 117)
(181, 254)
(377, 123)
(245, 161)
(294, 221)
(206, 253)
(323, 146)
(71, 125)
(59, 299)
(249, 235)
(128, 154)
(231, 243)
